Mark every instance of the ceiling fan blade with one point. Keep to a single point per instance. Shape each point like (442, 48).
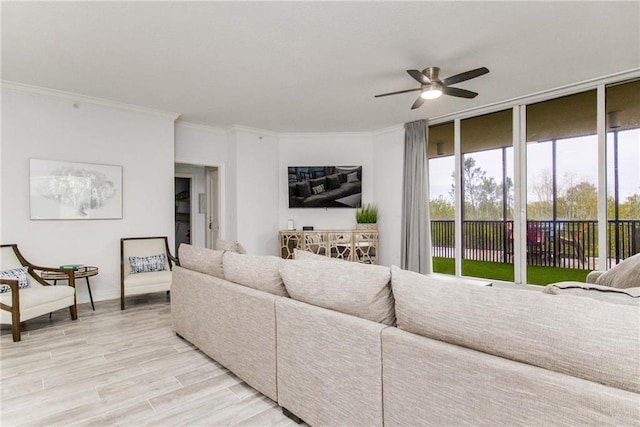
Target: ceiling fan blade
(419, 77)
(467, 75)
(418, 103)
(461, 93)
(395, 93)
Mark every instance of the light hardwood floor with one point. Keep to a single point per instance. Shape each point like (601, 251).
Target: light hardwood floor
(113, 367)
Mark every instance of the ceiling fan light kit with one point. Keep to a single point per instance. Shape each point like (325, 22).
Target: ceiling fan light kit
(432, 87)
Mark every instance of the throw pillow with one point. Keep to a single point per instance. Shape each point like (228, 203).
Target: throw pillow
(333, 182)
(20, 274)
(304, 189)
(261, 272)
(630, 296)
(147, 264)
(352, 177)
(228, 245)
(317, 181)
(318, 189)
(203, 260)
(624, 275)
(348, 287)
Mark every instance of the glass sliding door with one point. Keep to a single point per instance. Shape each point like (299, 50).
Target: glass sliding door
(441, 195)
(623, 171)
(487, 194)
(562, 188)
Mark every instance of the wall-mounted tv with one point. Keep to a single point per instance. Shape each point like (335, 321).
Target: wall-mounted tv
(325, 186)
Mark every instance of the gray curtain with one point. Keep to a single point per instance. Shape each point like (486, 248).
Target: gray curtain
(416, 233)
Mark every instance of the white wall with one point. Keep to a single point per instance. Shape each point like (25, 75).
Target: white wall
(337, 149)
(49, 127)
(257, 190)
(388, 159)
(201, 146)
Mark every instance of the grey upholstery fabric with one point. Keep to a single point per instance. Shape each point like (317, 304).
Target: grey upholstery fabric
(624, 275)
(415, 230)
(228, 245)
(329, 366)
(629, 296)
(577, 336)
(255, 271)
(348, 287)
(431, 383)
(233, 324)
(204, 260)
(300, 254)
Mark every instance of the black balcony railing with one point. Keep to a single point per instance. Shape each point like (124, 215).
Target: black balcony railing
(568, 244)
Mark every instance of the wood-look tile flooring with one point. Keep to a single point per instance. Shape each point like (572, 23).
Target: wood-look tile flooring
(127, 368)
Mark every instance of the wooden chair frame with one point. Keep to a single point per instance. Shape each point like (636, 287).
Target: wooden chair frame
(15, 290)
(172, 261)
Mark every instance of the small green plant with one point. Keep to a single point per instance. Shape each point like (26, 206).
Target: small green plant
(367, 214)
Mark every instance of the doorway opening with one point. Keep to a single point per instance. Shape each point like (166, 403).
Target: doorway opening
(199, 191)
(182, 211)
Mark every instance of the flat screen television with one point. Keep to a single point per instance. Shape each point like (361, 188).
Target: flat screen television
(325, 186)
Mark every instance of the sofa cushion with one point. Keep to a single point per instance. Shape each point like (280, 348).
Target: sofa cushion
(630, 296)
(228, 245)
(19, 274)
(577, 336)
(333, 181)
(348, 287)
(203, 260)
(352, 177)
(318, 189)
(146, 264)
(303, 189)
(624, 275)
(318, 181)
(254, 271)
(300, 254)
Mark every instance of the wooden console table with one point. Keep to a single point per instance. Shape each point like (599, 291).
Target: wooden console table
(351, 245)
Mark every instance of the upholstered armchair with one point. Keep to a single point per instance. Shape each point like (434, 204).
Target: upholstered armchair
(25, 295)
(145, 266)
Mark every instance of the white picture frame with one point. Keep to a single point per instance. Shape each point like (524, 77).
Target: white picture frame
(71, 190)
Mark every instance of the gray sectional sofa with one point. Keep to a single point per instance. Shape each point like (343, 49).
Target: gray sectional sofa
(344, 344)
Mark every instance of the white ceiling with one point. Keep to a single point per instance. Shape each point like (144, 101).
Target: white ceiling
(311, 66)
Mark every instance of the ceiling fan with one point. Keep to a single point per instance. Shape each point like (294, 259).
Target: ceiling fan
(432, 87)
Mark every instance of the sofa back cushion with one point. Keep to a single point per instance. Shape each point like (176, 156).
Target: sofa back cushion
(582, 337)
(255, 271)
(348, 287)
(624, 275)
(203, 260)
(228, 245)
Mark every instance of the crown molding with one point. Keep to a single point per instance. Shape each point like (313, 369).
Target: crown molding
(76, 97)
(256, 131)
(390, 129)
(326, 134)
(197, 126)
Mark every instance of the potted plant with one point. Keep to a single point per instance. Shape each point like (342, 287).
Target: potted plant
(367, 217)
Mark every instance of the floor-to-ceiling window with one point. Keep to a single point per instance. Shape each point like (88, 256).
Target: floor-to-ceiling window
(442, 197)
(562, 188)
(558, 145)
(623, 170)
(487, 195)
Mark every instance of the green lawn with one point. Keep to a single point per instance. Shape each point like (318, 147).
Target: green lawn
(536, 275)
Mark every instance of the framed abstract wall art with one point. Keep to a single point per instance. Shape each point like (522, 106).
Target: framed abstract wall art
(70, 190)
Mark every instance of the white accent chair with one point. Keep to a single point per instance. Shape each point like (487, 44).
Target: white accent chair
(38, 299)
(147, 282)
